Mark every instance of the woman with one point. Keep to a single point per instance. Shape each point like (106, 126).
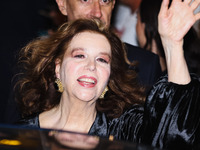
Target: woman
(83, 58)
(149, 38)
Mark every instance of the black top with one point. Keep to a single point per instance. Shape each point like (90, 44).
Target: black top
(169, 119)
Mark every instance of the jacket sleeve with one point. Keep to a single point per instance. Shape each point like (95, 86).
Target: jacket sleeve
(172, 115)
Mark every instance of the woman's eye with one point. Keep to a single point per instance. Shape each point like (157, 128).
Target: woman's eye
(103, 60)
(79, 56)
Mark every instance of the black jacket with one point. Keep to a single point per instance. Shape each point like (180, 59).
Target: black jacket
(169, 119)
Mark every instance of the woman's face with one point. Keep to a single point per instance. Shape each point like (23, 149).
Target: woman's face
(85, 69)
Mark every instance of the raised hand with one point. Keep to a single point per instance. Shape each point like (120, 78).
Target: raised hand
(175, 21)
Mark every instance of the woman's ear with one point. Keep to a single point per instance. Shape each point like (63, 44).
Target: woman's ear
(57, 67)
(62, 5)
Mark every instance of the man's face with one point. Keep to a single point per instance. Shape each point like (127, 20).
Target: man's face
(76, 9)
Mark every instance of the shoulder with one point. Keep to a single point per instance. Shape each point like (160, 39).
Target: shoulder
(137, 53)
(148, 67)
(126, 127)
(31, 121)
(133, 113)
(129, 125)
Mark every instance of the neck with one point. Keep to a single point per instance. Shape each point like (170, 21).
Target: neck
(71, 115)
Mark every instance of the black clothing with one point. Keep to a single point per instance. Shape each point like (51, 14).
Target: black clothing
(172, 115)
(170, 118)
(103, 127)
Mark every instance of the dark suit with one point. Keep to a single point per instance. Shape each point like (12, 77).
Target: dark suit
(148, 68)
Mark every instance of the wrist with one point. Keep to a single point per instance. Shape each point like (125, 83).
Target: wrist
(176, 64)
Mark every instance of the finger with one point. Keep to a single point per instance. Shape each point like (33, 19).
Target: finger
(197, 16)
(187, 1)
(164, 7)
(194, 4)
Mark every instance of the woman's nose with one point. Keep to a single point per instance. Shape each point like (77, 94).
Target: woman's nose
(91, 65)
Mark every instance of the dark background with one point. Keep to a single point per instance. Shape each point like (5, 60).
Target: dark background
(20, 22)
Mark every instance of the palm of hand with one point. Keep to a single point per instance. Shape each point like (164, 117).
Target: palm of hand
(175, 22)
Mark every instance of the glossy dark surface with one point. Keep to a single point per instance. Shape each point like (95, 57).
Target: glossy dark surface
(15, 138)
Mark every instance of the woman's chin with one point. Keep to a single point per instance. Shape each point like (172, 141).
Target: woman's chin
(87, 98)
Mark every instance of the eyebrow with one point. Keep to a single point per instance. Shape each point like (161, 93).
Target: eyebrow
(104, 53)
(82, 49)
(76, 49)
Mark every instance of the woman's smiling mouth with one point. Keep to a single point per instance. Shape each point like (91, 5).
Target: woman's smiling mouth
(87, 81)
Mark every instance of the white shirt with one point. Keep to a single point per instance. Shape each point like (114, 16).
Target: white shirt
(125, 21)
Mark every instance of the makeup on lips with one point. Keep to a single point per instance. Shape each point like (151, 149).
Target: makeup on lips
(87, 81)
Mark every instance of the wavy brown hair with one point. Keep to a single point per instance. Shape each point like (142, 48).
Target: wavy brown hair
(36, 92)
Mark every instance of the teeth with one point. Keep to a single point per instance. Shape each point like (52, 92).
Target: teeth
(86, 80)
